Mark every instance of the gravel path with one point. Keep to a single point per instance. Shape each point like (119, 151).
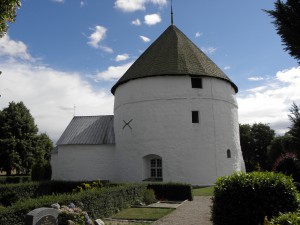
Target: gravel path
(190, 213)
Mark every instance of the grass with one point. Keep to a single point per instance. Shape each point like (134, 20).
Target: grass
(207, 191)
(142, 214)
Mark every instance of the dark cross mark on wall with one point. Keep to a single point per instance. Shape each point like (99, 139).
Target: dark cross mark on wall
(127, 124)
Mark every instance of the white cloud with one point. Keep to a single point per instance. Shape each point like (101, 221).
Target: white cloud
(227, 68)
(152, 19)
(97, 37)
(198, 34)
(14, 49)
(51, 94)
(255, 78)
(122, 57)
(113, 72)
(208, 50)
(82, 3)
(136, 22)
(145, 39)
(270, 102)
(130, 5)
(136, 5)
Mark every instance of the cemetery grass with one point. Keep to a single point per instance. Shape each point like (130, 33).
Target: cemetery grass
(206, 191)
(145, 214)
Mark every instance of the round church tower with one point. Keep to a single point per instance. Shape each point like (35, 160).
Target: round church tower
(175, 116)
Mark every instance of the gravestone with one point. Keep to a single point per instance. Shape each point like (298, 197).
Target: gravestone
(42, 216)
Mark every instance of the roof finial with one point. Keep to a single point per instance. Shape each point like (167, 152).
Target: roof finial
(172, 20)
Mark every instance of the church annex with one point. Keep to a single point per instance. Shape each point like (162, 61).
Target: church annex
(175, 119)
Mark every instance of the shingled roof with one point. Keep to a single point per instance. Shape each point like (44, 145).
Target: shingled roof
(89, 130)
(172, 54)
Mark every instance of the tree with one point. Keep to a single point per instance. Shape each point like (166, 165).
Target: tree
(20, 145)
(294, 131)
(287, 23)
(255, 140)
(8, 12)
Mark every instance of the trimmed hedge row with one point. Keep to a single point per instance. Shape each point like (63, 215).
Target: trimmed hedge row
(98, 203)
(14, 179)
(172, 191)
(247, 198)
(10, 193)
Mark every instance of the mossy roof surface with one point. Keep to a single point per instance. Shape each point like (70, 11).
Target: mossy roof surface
(172, 54)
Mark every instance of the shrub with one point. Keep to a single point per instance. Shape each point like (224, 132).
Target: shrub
(172, 191)
(149, 197)
(291, 218)
(14, 179)
(288, 164)
(27, 190)
(86, 186)
(41, 171)
(98, 203)
(247, 198)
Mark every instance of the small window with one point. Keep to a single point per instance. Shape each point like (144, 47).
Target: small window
(195, 116)
(228, 154)
(196, 82)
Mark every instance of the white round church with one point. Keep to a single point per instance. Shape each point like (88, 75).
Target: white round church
(175, 119)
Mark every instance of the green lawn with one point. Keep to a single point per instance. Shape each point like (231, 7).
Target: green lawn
(207, 191)
(142, 214)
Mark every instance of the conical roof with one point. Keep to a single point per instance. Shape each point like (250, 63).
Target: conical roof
(172, 54)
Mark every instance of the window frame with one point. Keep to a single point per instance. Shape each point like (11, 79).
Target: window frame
(196, 82)
(195, 117)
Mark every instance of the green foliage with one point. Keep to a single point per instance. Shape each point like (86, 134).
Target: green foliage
(8, 10)
(295, 128)
(288, 164)
(23, 191)
(14, 179)
(255, 140)
(87, 186)
(291, 218)
(250, 197)
(287, 22)
(149, 197)
(172, 191)
(98, 203)
(41, 171)
(20, 145)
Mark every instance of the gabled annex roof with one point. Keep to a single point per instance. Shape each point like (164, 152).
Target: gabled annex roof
(89, 130)
(172, 54)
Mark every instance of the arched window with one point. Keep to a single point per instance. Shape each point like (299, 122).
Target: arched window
(156, 168)
(228, 153)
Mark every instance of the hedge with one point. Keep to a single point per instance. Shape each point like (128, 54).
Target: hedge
(291, 218)
(172, 191)
(247, 198)
(14, 179)
(10, 193)
(98, 203)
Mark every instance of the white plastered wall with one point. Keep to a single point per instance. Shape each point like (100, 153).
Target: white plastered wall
(83, 162)
(160, 110)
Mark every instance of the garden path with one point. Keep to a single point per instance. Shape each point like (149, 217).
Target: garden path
(195, 212)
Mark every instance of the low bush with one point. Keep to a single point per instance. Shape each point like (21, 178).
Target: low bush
(247, 198)
(27, 190)
(149, 197)
(97, 203)
(291, 218)
(14, 179)
(172, 191)
(41, 171)
(288, 164)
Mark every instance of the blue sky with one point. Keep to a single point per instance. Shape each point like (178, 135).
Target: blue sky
(61, 53)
